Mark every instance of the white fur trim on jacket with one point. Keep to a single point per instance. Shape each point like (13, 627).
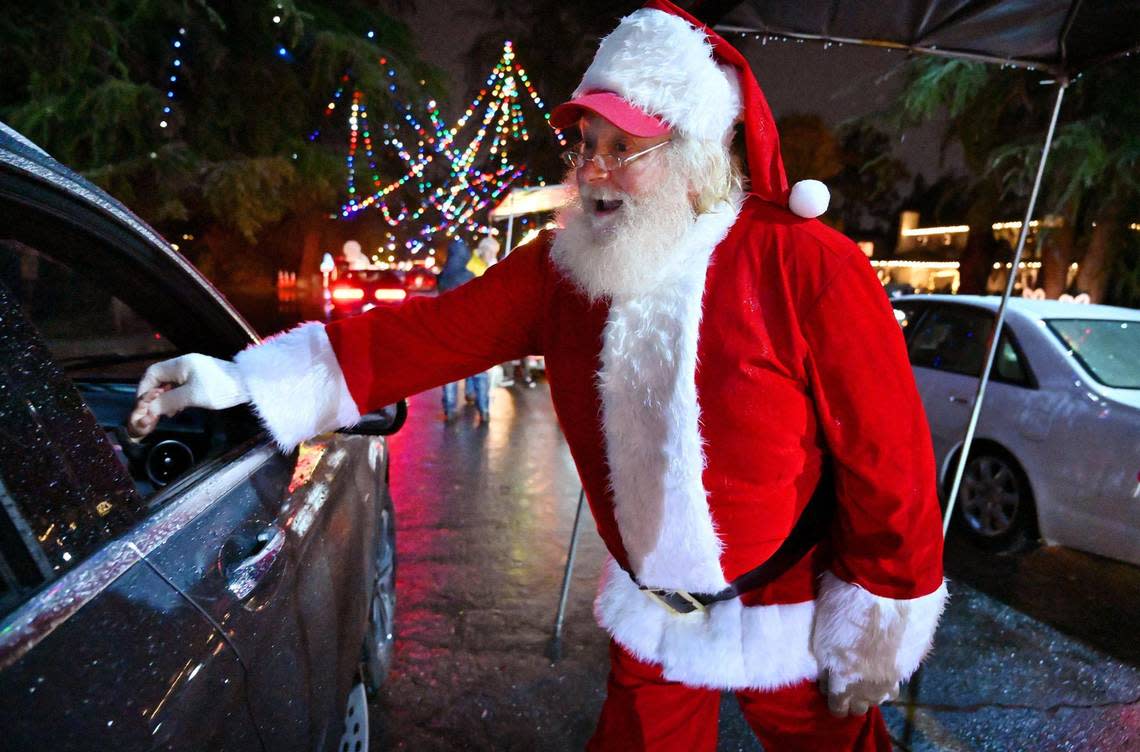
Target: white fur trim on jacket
(849, 632)
(860, 636)
(296, 385)
(650, 420)
(665, 66)
(730, 646)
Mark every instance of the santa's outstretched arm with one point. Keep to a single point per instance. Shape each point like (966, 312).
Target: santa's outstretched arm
(879, 605)
(319, 377)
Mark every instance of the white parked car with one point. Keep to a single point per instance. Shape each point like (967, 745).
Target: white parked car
(1057, 448)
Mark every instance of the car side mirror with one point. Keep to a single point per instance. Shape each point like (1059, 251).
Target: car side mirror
(383, 422)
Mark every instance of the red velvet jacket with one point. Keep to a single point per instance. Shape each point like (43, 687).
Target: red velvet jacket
(798, 355)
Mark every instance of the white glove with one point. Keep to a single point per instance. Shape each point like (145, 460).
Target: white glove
(198, 381)
(855, 698)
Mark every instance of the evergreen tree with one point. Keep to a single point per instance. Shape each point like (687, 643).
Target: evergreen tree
(999, 117)
(194, 114)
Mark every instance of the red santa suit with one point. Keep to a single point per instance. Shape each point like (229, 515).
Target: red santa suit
(699, 416)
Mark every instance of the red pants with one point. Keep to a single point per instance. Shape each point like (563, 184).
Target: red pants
(644, 711)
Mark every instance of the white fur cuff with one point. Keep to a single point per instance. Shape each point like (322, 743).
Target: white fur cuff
(296, 385)
(859, 636)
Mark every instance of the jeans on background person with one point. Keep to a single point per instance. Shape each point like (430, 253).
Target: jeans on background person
(479, 385)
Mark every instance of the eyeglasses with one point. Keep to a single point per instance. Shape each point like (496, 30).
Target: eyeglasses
(606, 162)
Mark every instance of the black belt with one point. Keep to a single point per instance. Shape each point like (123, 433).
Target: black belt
(809, 530)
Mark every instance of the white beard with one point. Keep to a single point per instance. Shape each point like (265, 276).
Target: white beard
(633, 251)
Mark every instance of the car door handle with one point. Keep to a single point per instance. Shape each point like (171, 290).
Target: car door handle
(959, 400)
(244, 577)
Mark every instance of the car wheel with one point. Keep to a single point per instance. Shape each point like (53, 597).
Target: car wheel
(995, 505)
(355, 736)
(380, 639)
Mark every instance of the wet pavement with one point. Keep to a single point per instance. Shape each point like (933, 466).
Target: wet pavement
(1037, 651)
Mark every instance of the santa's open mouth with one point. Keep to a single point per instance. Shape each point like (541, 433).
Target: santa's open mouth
(602, 206)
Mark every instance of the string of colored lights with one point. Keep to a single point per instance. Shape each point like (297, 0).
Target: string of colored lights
(468, 188)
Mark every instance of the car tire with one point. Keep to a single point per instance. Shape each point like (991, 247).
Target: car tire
(995, 506)
(380, 637)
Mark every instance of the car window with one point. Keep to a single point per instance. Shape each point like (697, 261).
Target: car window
(1109, 350)
(89, 332)
(1009, 365)
(907, 313)
(9, 586)
(954, 338)
(102, 346)
(63, 493)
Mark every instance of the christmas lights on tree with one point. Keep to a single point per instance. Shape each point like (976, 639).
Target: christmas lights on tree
(170, 82)
(443, 178)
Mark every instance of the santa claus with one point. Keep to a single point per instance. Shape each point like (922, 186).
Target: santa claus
(733, 388)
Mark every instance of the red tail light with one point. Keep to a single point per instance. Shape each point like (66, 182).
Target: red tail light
(388, 294)
(347, 294)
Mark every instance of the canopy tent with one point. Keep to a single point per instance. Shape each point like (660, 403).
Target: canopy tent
(530, 199)
(1063, 37)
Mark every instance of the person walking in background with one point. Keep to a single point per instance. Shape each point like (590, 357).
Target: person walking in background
(477, 391)
(453, 274)
(488, 252)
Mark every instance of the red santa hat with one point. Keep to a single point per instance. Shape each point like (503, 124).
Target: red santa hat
(661, 69)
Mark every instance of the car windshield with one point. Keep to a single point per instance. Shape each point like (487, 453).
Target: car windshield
(1109, 350)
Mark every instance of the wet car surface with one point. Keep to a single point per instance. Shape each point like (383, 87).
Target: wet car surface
(198, 589)
(1057, 449)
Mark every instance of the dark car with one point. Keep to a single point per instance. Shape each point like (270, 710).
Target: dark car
(199, 590)
(420, 281)
(360, 290)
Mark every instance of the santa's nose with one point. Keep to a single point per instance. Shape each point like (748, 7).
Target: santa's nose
(590, 173)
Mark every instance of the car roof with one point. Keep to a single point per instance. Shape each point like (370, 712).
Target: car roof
(19, 153)
(1037, 309)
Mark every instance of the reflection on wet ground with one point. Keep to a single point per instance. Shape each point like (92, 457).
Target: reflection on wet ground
(484, 514)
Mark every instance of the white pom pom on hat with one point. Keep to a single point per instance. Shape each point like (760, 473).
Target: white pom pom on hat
(809, 198)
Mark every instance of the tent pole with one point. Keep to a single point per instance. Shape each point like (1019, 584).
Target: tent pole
(510, 234)
(554, 649)
(995, 339)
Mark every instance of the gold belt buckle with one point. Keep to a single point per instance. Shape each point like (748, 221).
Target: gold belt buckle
(698, 607)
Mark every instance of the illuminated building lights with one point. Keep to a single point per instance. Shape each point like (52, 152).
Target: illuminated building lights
(949, 230)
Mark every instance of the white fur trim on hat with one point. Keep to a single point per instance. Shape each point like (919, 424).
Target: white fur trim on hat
(665, 66)
(809, 198)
